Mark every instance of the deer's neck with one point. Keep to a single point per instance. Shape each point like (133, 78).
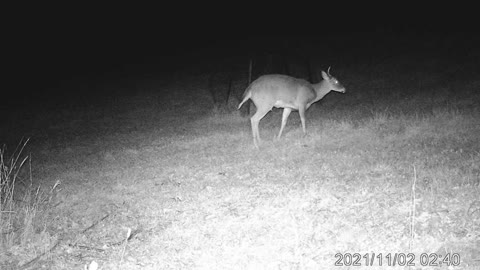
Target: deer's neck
(321, 89)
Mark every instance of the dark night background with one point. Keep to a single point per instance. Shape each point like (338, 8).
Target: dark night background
(52, 49)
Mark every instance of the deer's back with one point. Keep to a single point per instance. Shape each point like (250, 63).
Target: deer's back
(281, 91)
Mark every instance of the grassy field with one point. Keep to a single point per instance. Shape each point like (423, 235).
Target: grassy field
(389, 170)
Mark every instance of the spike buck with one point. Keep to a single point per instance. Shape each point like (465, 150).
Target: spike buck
(286, 92)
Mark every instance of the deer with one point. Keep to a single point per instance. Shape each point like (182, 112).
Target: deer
(289, 93)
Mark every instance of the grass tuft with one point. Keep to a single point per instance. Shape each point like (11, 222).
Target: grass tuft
(23, 209)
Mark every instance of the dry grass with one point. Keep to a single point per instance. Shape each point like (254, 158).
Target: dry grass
(24, 210)
(165, 183)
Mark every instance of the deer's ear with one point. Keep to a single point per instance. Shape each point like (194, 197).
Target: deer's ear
(325, 75)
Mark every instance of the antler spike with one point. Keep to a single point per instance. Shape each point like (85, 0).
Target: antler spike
(328, 71)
